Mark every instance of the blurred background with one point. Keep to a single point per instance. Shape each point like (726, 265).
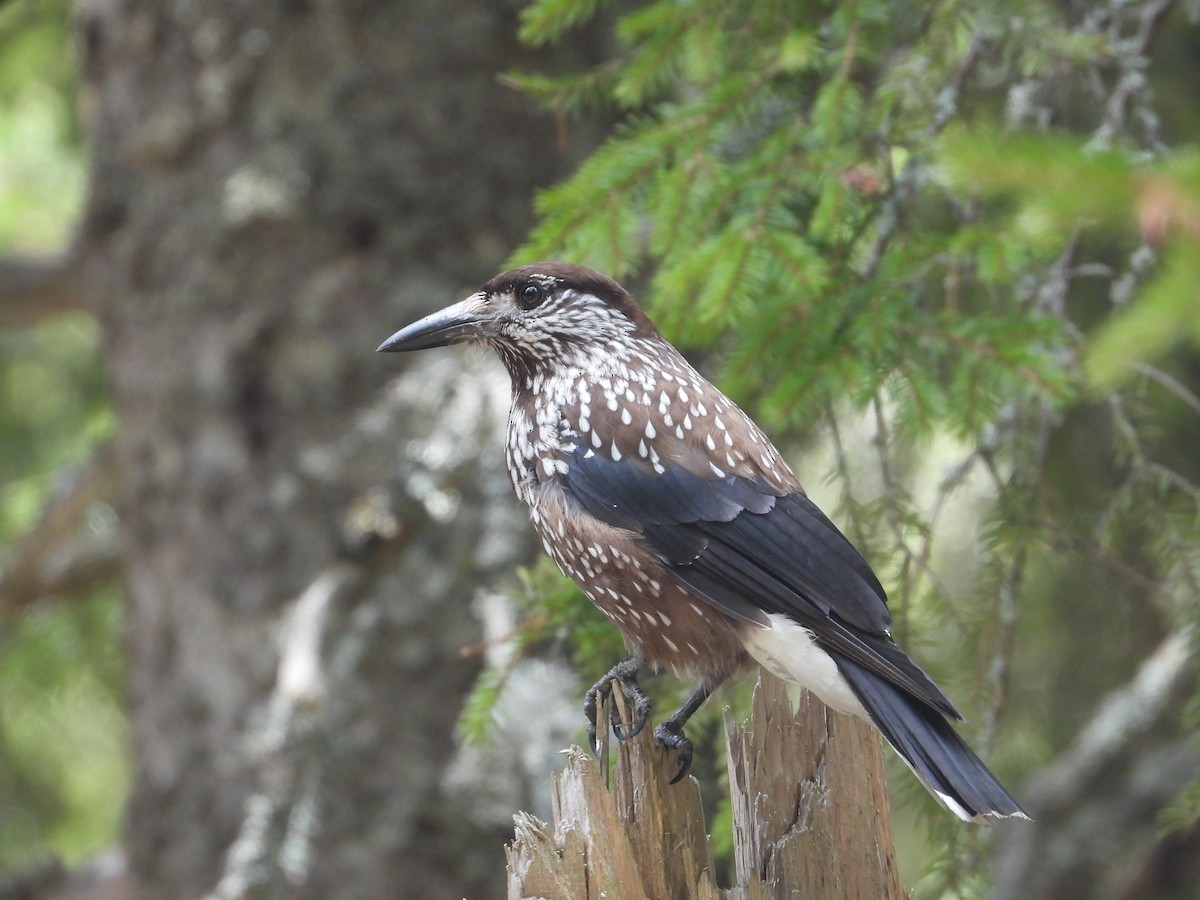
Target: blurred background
(272, 622)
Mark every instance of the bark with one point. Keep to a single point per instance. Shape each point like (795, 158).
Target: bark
(275, 188)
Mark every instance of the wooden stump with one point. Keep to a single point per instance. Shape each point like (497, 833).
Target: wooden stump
(810, 817)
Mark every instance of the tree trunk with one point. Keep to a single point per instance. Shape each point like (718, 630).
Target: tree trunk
(810, 817)
(275, 188)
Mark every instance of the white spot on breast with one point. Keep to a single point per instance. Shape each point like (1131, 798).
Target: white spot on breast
(584, 424)
(596, 442)
(709, 442)
(718, 472)
(679, 431)
(625, 416)
(650, 430)
(670, 643)
(698, 610)
(687, 422)
(664, 619)
(683, 396)
(616, 454)
(642, 451)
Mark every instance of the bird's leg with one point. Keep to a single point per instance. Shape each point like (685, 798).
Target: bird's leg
(624, 675)
(669, 732)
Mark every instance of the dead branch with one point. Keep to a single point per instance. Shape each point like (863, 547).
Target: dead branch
(810, 817)
(33, 289)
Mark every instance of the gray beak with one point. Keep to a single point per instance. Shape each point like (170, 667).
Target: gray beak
(459, 322)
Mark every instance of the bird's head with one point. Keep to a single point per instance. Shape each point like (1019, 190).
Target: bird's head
(536, 314)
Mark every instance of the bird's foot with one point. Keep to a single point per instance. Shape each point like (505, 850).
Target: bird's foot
(624, 676)
(669, 735)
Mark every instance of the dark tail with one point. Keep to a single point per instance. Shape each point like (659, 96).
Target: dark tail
(939, 758)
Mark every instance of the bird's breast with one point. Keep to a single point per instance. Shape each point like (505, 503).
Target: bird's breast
(656, 614)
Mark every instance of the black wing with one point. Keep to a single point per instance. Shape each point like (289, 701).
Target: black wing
(748, 550)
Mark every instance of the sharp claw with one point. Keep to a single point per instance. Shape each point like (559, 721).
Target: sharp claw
(624, 676)
(671, 739)
(642, 711)
(639, 705)
(589, 713)
(618, 727)
(683, 770)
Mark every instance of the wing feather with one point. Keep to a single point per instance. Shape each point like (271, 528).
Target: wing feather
(749, 550)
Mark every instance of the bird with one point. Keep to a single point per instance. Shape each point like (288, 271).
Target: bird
(680, 520)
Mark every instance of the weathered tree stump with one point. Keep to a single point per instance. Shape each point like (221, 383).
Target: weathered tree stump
(810, 817)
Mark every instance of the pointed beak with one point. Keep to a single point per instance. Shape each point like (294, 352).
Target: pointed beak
(459, 322)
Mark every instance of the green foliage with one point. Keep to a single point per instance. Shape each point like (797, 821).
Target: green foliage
(1167, 311)
(36, 54)
(1064, 187)
(752, 188)
(543, 22)
(62, 732)
(858, 210)
(1184, 813)
(558, 617)
(63, 766)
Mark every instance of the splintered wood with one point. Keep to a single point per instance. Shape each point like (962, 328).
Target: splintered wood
(810, 817)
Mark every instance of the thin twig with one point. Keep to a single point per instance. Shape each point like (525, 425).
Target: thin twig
(1170, 383)
(1132, 86)
(52, 558)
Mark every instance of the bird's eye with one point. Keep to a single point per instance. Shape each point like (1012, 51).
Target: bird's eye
(529, 295)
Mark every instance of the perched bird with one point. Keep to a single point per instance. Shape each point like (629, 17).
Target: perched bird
(677, 517)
